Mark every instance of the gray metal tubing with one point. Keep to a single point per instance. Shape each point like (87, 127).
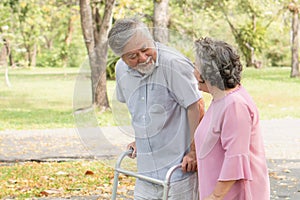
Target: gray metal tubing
(116, 174)
(136, 175)
(166, 183)
(115, 186)
(118, 170)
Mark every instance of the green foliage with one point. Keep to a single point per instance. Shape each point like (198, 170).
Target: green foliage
(276, 55)
(255, 37)
(250, 37)
(76, 54)
(28, 24)
(41, 25)
(131, 8)
(258, 24)
(50, 58)
(111, 63)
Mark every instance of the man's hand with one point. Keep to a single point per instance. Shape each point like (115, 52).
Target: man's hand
(133, 147)
(189, 163)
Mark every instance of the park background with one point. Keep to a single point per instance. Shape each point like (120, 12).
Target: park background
(48, 46)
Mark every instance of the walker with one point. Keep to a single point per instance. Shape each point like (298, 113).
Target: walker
(165, 183)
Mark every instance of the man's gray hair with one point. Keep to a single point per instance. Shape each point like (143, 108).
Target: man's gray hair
(122, 32)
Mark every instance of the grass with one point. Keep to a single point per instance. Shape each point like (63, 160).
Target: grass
(44, 98)
(38, 99)
(275, 93)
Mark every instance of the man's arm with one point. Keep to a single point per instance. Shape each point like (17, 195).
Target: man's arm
(195, 114)
(201, 104)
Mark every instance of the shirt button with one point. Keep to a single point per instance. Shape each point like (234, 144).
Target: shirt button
(144, 119)
(143, 98)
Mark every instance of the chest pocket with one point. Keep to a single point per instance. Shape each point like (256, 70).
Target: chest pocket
(160, 99)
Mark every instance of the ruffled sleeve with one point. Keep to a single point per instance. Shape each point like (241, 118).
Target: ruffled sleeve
(235, 139)
(235, 168)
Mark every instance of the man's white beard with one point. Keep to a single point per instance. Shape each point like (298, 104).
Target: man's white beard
(146, 67)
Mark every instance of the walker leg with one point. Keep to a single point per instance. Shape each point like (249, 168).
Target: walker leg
(166, 191)
(115, 186)
(167, 183)
(116, 175)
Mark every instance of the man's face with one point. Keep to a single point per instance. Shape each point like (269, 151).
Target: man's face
(140, 54)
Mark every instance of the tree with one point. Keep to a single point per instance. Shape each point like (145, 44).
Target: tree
(248, 33)
(27, 19)
(251, 32)
(95, 32)
(295, 40)
(161, 21)
(4, 53)
(71, 16)
(5, 47)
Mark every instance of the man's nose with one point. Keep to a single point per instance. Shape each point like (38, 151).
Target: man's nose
(142, 57)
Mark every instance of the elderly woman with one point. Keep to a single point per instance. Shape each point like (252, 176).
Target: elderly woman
(229, 145)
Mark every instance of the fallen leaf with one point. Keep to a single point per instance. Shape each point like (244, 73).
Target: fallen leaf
(287, 171)
(283, 184)
(49, 192)
(12, 181)
(61, 173)
(89, 172)
(280, 177)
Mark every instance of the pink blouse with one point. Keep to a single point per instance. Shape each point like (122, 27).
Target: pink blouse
(229, 146)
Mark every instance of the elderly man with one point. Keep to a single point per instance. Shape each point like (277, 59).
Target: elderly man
(158, 86)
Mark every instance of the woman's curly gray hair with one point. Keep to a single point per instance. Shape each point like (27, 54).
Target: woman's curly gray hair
(219, 63)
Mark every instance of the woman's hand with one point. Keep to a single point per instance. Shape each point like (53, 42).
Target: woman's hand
(221, 189)
(213, 197)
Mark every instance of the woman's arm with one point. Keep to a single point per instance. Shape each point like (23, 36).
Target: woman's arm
(221, 189)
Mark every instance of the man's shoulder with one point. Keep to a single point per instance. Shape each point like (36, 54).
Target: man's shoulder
(121, 66)
(120, 62)
(171, 55)
(170, 51)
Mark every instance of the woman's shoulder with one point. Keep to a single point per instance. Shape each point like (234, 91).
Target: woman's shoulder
(242, 99)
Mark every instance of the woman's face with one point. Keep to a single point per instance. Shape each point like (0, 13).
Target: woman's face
(201, 83)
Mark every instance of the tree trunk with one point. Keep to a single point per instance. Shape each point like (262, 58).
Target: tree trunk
(295, 58)
(68, 40)
(102, 48)
(3, 61)
(96, 44)
(33, 56)
(161, 21)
